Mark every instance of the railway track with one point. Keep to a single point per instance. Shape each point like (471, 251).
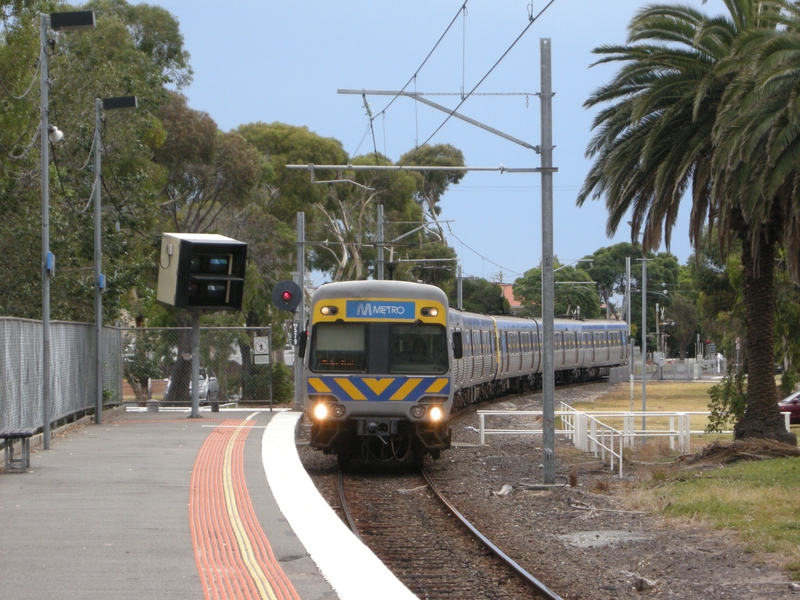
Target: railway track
(427, 543)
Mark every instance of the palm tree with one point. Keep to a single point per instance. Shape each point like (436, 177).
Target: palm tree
(655, 142)
(757, 166)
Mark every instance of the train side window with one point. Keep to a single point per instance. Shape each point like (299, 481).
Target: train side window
(458, 345)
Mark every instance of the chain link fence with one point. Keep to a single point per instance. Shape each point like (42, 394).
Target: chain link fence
(236, 366)
(72, 375)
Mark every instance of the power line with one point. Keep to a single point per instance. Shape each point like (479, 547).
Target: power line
(532, 20)
(479, 254)
(436, 45)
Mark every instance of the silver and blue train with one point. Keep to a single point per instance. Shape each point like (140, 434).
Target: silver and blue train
(385, 362)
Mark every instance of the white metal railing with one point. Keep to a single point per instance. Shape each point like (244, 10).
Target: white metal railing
(589, 434)
(586, 432)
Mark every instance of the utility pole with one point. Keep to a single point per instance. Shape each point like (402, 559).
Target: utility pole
(630, 323)
(380, 242)
(300, 277)
(99, 278)
(548, 295)
(460, 295)
(644, 342)
(61, 21)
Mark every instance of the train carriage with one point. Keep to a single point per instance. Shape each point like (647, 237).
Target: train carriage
(387, 361)
(377, 371)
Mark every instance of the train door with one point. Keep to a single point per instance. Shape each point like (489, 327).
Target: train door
(504, 352)
(573, 348)
(469, 359)
(604, 345)
(484, 351)
(527, 356)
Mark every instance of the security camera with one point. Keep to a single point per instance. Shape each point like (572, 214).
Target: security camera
(55, 135)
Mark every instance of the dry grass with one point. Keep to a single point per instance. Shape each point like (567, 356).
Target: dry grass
(660, 397)
(750, 488)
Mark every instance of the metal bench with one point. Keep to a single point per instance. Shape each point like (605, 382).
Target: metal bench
(9, 436)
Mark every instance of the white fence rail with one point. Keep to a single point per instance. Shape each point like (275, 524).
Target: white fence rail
(589, 434)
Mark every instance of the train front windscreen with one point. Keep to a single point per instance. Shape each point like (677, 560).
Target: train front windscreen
(379, 348)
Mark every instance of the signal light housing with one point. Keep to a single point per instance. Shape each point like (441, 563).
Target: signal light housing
(199, 271)
(287, 295)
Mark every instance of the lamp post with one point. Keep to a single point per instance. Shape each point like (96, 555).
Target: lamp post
(99, 278)
(63, 21)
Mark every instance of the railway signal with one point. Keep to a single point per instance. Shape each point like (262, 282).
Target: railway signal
(286, 295)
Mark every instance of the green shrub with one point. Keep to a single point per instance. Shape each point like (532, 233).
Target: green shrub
(728, 400)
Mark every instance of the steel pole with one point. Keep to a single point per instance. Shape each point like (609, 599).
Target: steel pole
(45, 130)
(271, 370)
(301, 309)
(630, 323)
(195, 413)
(98, 297)
(548, 375)
(460, 290)
(644, 343)
(380, 242)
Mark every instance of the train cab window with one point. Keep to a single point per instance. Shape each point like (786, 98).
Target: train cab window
(419, 348)
(339, 347)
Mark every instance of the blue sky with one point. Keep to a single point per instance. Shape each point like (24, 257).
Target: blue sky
(284, 61)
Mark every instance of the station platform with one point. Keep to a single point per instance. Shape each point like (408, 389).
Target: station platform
(159, 505)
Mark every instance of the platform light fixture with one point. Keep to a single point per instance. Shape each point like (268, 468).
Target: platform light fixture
(61, 21)
(99, 278)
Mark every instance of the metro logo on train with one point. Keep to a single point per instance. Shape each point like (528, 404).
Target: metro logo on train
(357, 309)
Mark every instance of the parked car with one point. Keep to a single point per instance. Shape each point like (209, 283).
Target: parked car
(791, 404)
(209, 386)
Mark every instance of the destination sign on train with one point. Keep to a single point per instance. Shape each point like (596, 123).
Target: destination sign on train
(360, 309)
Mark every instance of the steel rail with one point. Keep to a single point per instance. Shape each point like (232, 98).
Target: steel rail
(346, 509)
(529, 579)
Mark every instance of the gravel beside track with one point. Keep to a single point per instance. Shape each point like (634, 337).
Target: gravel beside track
(422, 543)
(583, 542)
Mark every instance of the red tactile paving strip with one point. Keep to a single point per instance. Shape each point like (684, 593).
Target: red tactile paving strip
(234, 558)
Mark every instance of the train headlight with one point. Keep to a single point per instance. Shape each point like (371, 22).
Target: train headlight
(329, 310)
(321, 411)
(429, 312)
(436, 413)
(338, 410)
(417, 411)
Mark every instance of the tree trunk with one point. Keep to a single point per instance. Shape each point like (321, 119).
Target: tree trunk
(762, 418)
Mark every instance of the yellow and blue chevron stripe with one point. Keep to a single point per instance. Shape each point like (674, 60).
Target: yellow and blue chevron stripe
(379, 389)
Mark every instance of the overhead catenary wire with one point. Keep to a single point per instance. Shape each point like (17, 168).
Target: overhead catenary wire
(532, 19)
(436, 45)
(463, 244)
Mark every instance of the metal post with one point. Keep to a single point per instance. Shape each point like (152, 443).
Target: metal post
(460, 293)
(644, 344)
(630, 323)
(380, 242)
(271, 370)
(195, 413)
(98, 297)
(45, 127)
(301, 309)
(548, 391)
(658, 347)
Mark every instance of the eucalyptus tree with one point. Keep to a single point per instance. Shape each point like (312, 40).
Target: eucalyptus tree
(575, 292)
(656, 142)
(133, 50)
(433, 184)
